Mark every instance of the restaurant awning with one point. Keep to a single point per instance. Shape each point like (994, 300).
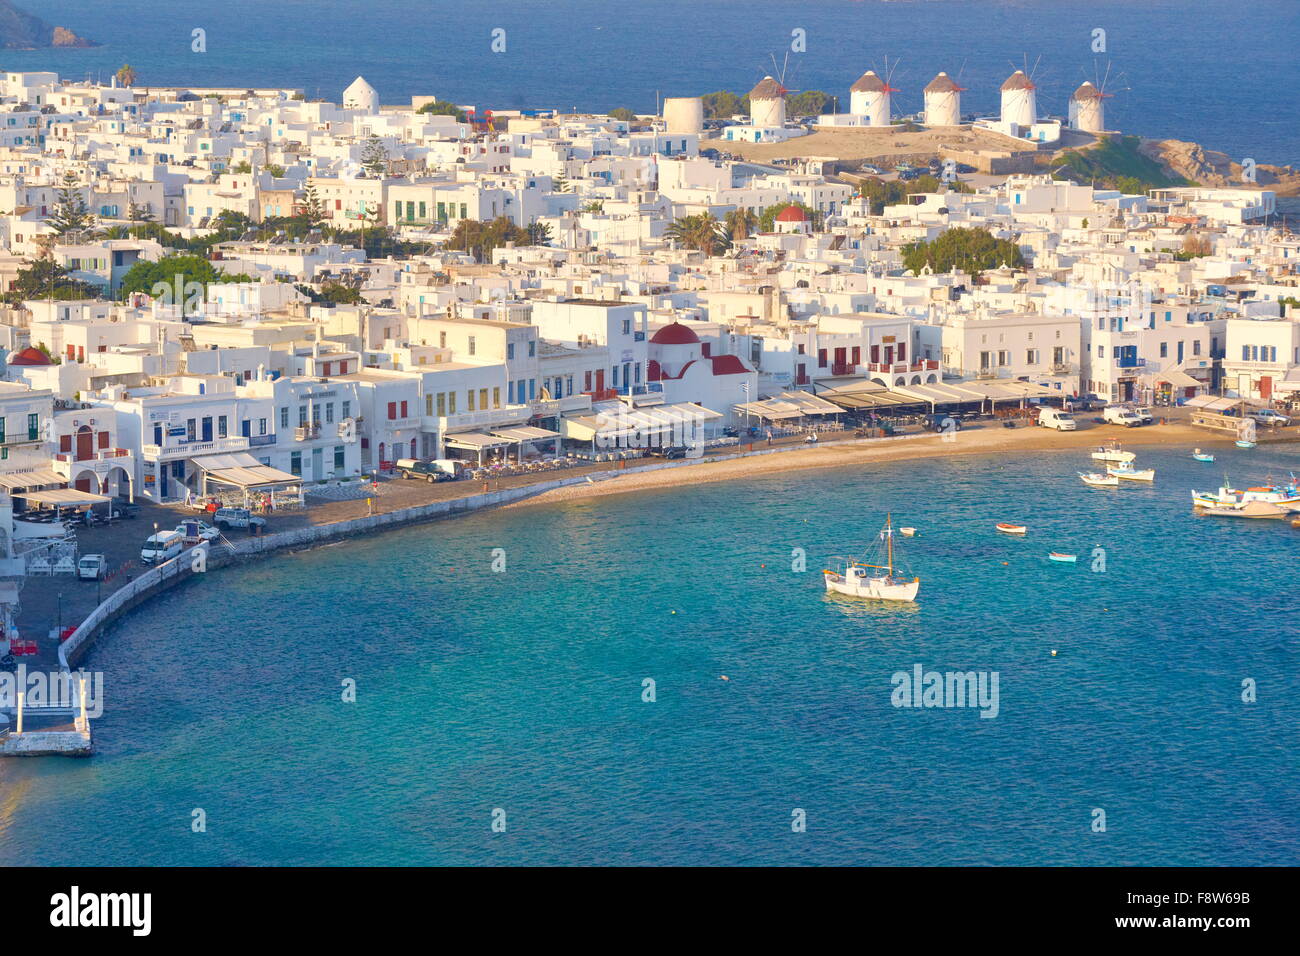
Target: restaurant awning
(31, 479)
(63, 497)
(257, 476)
(1213, 403)
(1176, 378)
(238, 459)
(473, 441)
(524, 433)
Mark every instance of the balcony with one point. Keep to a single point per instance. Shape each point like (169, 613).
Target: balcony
(486, 418)
(307, 432)
(191, 449)
(102, 454)
(602, 394)
(1130, 363)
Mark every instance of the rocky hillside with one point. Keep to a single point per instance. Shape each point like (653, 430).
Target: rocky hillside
(20, 30)
(1209, 167)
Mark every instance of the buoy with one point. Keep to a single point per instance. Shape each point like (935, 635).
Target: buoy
(1005, 563)
(674, 612)
(1053, 653)
(762, 565)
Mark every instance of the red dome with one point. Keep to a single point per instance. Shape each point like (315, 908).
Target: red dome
(30, 356)
(674, 333)
(792, 214)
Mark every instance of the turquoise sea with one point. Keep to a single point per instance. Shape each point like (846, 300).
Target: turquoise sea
(1220, 72)
(522, 690)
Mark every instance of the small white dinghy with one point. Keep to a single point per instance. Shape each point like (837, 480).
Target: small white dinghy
(876, 581)
(907, 532)
(1008, 528)
(1097, 480)
(1129, 473)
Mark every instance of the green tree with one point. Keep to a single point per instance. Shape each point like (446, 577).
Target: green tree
(724, 104)
(539, 233)
(740, 223)
(71, 214)
(971, 250)
(313, 207)
(277, 172)
(702, 232)
(808, 103)
(479, 238)
(767, 218)
(126, 75)
(622, 113)
(44, 278)
(174, 272)
(443, 108)
(374, 157)
(242, 167)
(332, 291)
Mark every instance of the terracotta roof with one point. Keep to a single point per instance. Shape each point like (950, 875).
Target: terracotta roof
(792, 213)
(674, 333)
(728, 365)
(767, 89)
(1017, 81)
(30, 356)
(943, 83)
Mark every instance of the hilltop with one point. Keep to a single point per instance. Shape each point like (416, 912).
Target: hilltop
(20, 30)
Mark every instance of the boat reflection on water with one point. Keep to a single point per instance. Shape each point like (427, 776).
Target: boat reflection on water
(869, 608)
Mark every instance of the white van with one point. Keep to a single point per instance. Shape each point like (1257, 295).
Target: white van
(162, 546)
(1120, 415)
(1056, 418)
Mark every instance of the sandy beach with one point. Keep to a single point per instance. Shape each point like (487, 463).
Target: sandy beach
(981, 441)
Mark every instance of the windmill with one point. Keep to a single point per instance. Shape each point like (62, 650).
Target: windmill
(1087, 112)
(870, 95)
(767, 98)
(943, 101)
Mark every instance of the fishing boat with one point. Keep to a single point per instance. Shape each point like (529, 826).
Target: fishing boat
(1129, 473)
(1284, 496)
(1201, 456)
(1242, 443)
(862, 579)
(1111, 452)
(1251, 509)
(1007, 528)
(1062, 557)
(1098, 480)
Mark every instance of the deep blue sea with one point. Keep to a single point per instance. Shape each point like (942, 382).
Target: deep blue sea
(522, 690)
(1221, 72)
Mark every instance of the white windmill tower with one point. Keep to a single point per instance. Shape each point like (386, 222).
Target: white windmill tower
(767, 103)
(870, 97)
(1018, 103)
(943, 101)
(1087, 107)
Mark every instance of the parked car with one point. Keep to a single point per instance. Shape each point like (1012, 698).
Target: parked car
(1085, 403)
(1144, 413)
(429, 471)
(1269, 416)
(237, 518)
(204, 530)
(1120, 415)
(92, 567)
(669, 451)
(121, 508)
(942, 422)
(1062, 421)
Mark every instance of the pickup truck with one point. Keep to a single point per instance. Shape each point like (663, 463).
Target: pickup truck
(439, 469)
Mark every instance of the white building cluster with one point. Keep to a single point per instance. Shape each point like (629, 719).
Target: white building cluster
(453, 353)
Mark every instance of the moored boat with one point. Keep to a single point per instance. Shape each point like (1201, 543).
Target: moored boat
(1129, 473)
(861, 579)
(1062, 557)
(1251, 509)
(1098, 480)
(1284, 496)
(1008, 528)
(907, 532)
(1112, 452)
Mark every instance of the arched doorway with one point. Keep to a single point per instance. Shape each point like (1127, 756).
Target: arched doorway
(85, 444)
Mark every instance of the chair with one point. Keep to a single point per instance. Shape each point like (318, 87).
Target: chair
(38, 565)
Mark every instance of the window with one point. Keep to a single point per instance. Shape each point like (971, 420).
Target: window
(33, 426)
(510, 351)
(1164, 349)
(261, 426)
(404, 414)
(295, 463)
(392, 410)
(496, 396)
(1031, 357)
(221, 426)
(1004, 358)
(338, 458)
(284, 417)
(532, 348)
(428, 404)
(510, 392)
(329, 412)
(451, 403)
(1196, 347)
(442, 404)
(1101, 351)
(347, 409)
(190, 430)
(627, 326)
(471, 344)
(302, 415)
(482, 398)
(1245, 353)
(470, 397)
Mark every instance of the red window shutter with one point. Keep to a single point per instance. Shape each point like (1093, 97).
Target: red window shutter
(65, 443)
(338, 204)
(392, 410)
(875, 354)
(857, 354)
(403, 409)
(326, 369)
(821, 358)
(706, 349)
(103, 439)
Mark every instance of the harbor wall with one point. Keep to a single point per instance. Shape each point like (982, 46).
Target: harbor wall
(47, 743)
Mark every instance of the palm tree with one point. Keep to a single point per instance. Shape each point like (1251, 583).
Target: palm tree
(702, 232)
(126, 75)
(740, 223)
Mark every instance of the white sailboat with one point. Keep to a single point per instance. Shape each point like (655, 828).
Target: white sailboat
(861, 579)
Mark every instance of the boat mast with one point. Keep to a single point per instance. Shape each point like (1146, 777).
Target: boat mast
(889, 536)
